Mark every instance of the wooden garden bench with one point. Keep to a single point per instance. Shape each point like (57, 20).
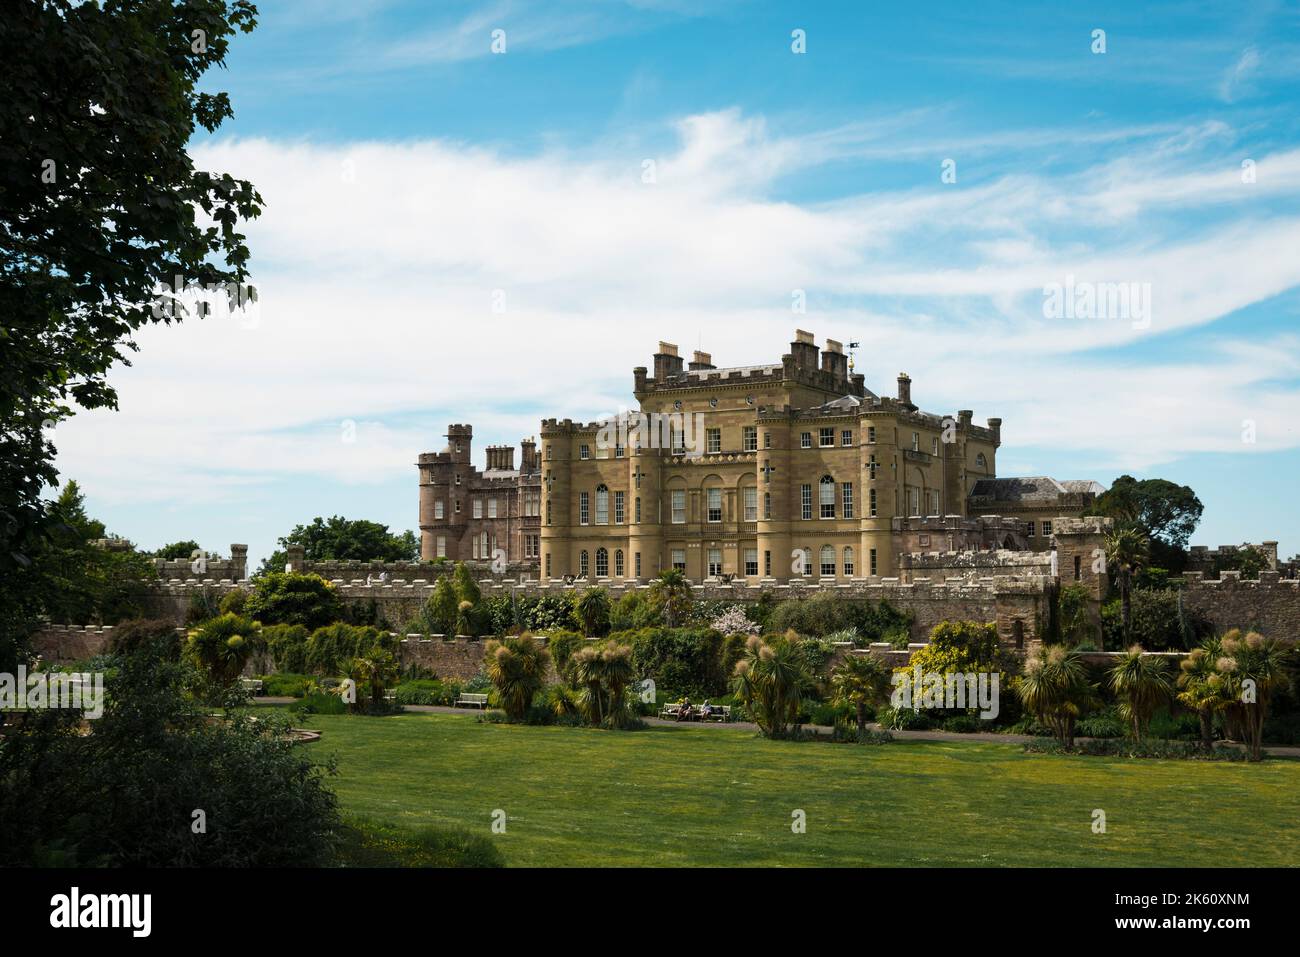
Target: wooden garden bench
(472, 700)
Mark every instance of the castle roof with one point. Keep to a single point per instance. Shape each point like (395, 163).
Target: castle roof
(1032, 488)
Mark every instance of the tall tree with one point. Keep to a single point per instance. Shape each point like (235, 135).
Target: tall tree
(100, 207)
(1165, 512)
(1127, 553)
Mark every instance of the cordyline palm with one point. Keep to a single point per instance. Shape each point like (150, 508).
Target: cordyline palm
(860, 681)
(373, 674)
(672, 593)
(1253, 668)
(1127, 553)
(592, 609)
(516, 666)
(770, 680)
(604, 675)
(1055, 688)
(1202, 688)
(1141, 684)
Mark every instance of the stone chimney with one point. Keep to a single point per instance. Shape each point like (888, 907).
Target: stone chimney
(995, 426)
(905, 390)
(667, 362)
(804, 350)
(834, 360)
(500, 458)
(964, 416)
(239, 563)
(528, 455)
(701, 360)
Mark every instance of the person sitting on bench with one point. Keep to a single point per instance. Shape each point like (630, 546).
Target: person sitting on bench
(684, 709)
(705, 709)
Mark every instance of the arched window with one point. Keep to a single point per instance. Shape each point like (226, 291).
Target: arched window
(602, 563)
(602, 505)
(848, 561)
(828, 561)
(582, 564)
(981, 461)
(618, 563)
(826, 496)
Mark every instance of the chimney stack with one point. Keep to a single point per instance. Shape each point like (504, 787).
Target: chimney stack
(804, 350)
(667, 362)
(834, 360)
(905, 391)
(528, 455)
(702, 360)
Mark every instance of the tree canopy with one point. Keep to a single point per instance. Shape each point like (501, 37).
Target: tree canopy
(343, 539)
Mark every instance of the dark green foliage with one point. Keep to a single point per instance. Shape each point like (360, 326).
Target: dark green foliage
(826, 613)
(687, 660)
(1165, 512)
(330, 649)
(177, 550)
(562, 644)
(320, 702)
(633, 612)
(158, 637)
(1160, 622)
(124, 796)
(288, 647)
(1248, 559)
(592, 610)
(286, 685)
(98, 208)
(542, 613)
(287, 598)
(234, 602)
(1128, 748)
(342, 539)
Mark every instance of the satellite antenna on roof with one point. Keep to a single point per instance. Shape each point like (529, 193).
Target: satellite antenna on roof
(852, 346)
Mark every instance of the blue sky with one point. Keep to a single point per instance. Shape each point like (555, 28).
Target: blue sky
(414, 178)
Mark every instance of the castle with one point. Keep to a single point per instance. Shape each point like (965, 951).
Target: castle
(764, 473)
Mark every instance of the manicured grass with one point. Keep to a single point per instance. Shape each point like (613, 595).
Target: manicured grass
(686, 795)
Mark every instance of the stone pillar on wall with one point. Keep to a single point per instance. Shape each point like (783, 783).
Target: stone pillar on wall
(295, 558)
(239, 563)
(1080, 547)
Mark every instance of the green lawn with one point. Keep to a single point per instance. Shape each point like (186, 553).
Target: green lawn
(722, 797)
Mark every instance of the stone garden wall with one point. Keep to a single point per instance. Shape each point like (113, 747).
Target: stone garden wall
(1270, 606)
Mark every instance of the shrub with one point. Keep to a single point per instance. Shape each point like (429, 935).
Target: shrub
(234, 603)
(285, 685)
(516, 666)
(159, 637)
(544, 613)
(592, 611)
(633, 612)
(961, 724)
(688, 660)
(423, 691)
(848, 734)
(287, 645)
(819, 615)
(903, 719)
(124, 795)
(289, 598)
(320, 702)
(562, 644)
(1100, 726)
(1160, 622)
(330, 649)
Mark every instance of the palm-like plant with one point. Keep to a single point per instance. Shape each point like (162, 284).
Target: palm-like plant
(1141, 684)
(223, 645)
(592, 609)
(516, 666)
(1055, 688)
(373, 674)
(1127, 552)
(770, 681)
(862, 682)
(603, 675)
(1253, 668)
(1202, 688)
(671, 594)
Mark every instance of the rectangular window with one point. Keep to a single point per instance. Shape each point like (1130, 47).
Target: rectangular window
(826, 499)
(442, 546)
(492, 508)
(767, 564)
(805, 501)
(679, 559)
(1030, 533)
(618, 451)
(751, 562)
(916, 441)
(678, 440)
(936, 506)
(749, 438)
(934, 446)
(751, 504)
(848, 562)
(548, 558)
(584, 452)
(602, 506)
(478, 508)
(715, 504)
(636, 561)
(618, 508)
(1078, 568)
(715, 562)
(618, 563)
(805, 440)
(584, 507)
(1047, 529)
(636, 507)
(437, 510)
(828, 567)
(767, 506)
(679, 506)
(827, 437)
(871, 434)
(846, 496)
(913, 501)
(767, 440)
(871, 507)
(846, 437)
(713, 441)
(873, 561)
